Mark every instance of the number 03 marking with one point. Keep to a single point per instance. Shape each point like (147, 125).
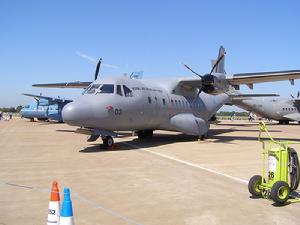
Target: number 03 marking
(118, 112)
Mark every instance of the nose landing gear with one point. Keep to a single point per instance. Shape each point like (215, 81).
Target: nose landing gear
(108, 142)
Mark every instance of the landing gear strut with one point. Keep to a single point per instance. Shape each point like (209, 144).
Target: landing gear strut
(203, 136)
(108, 141)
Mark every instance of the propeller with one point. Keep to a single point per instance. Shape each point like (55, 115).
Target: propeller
(207, 80)
(298, 95)
(37, 103)
(98, 68)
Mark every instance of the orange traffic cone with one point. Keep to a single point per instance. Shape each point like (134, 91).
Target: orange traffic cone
(54, 205)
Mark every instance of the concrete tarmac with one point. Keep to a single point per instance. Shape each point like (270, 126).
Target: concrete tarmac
(171, 179)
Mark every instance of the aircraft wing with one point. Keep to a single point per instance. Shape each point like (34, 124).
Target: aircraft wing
(50, 99)
(76, 84)
(246, 78)
(251, 78)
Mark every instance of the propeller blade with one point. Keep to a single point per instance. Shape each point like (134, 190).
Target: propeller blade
(186, 66)
(216, 63)
(98, 68)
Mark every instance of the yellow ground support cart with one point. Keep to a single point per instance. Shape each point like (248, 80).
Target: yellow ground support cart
(280, 170)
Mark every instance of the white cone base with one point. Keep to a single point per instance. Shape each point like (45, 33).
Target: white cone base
(53, 213)
(66, 221)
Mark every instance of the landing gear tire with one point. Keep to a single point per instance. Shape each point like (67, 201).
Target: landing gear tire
(143, 134)
(280, 192)
(31, 119)
(108, 141)
(253, 185)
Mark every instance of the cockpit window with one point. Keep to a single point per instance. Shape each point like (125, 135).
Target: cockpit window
(127, 91)
(119, 90)
(26, 106)
(92, 89)
(106, 89)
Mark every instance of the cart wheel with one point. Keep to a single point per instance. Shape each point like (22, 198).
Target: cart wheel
(253, 185)
(280, 192)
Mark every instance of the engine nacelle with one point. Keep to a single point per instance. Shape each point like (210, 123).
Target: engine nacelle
(214, 84)
(189, 124)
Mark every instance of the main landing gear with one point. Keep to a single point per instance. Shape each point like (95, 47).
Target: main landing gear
(108, 142)
(143, 134)
(284, 122)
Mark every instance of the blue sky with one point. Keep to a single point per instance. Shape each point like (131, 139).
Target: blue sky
(41, 41)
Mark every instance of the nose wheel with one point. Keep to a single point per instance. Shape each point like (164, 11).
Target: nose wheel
(108, 141)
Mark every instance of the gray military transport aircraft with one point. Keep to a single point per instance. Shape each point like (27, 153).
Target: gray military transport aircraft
(184, 104)
(282, 110)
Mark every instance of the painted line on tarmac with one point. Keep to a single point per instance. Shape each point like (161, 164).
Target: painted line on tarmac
(189, 164)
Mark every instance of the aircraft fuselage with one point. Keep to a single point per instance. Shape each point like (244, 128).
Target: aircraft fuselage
(131, 104)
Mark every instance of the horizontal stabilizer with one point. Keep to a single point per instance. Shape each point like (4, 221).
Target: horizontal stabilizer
(247, 96)
(293, 116)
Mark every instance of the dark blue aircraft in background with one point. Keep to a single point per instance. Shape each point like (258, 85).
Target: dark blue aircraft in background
(44, 108)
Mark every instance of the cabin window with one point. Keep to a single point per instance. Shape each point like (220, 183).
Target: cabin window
(164, 101)
(149, 100)
(176, 102)
(127, 91)
(172, 101)
(119, 90)
(155, 98)
(106, 89)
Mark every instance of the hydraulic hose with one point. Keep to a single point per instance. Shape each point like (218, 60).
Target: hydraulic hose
(294, 169)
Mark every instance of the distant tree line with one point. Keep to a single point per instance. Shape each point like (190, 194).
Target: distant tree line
(11, 109)
(224, 113)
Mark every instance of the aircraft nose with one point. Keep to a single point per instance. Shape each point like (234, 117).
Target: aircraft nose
(71, 113)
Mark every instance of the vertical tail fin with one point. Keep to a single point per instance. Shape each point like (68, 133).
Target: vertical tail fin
(220, 68)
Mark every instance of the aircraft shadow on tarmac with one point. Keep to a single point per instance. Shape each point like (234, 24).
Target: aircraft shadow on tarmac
(215, 136)
(255, 124)
(65, 130)
(156, 140)
(43, 123)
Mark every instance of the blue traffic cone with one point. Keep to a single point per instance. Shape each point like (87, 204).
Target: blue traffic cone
(66, 211)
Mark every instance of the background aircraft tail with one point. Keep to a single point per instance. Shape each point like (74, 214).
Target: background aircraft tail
(220, 68)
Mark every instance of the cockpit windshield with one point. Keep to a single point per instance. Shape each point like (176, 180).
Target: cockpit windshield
(106, 89)
(92, 89)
